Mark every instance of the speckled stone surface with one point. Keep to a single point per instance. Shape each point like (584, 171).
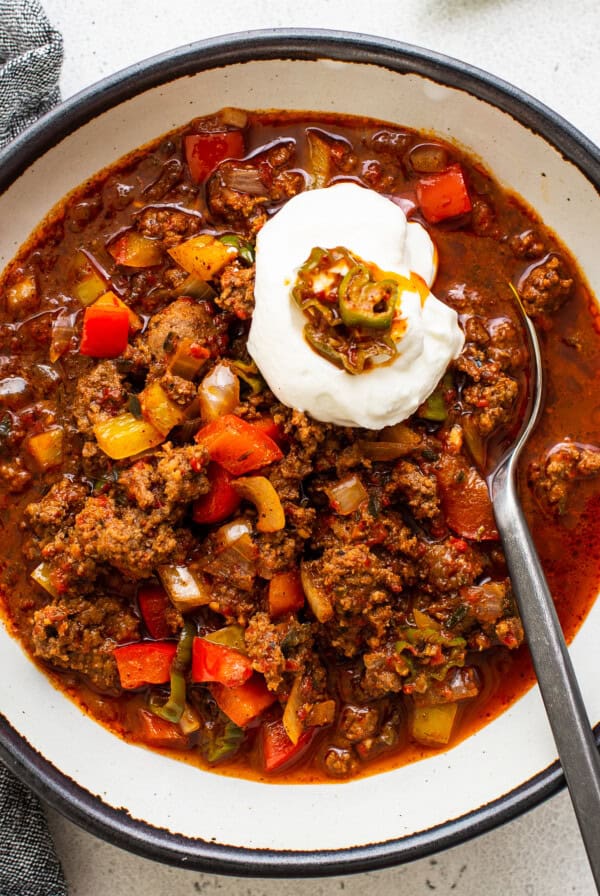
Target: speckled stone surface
(551, 51)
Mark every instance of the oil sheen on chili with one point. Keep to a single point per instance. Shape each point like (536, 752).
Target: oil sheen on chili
(215, 574)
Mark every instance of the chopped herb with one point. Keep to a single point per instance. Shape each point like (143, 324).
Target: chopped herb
(457, 616)
(134, 406)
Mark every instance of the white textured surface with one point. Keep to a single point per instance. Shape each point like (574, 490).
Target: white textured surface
(549, 50)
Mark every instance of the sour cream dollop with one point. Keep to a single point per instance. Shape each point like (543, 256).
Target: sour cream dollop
(376, 230)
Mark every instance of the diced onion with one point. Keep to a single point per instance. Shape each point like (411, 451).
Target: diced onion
(63, 331)
(187, 589)
(22, 296)
(423, 621)
(347, 495)
(320, 159)
(219, 393)
(190, 720)
(244, 180)
(403, 436)
(235, 118)
(383, 451)
(318, 601)
(293, 727)
(429, 158)
(231, 532)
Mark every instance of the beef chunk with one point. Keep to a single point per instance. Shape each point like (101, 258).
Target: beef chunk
(546, 287)
(182, 319)
(79, 635)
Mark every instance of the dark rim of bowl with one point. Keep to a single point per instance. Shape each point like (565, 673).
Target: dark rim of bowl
(90, 812)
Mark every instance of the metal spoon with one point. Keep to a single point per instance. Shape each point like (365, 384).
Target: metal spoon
(555, 674)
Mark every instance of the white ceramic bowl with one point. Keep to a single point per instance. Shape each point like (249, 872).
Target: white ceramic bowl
(168, 810)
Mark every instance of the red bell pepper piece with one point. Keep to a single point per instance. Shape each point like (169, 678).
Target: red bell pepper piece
(245, 702)
(220, 502)
(465, 499)
(203, 152)
(443, 195)
(145, 662)
(238, 446)
(105, 331)
(217, 662)
(286, 594)
(277, 749)
(271, 429)
(158, 732)
(154, 603)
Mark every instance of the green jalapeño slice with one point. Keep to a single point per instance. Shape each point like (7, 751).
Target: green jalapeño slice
(350, 306)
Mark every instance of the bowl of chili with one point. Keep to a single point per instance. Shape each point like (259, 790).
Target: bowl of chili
(316, 619)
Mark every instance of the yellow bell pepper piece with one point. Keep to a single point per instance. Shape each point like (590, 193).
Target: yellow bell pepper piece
(125, 436)
(46, 448)
(159, 410)
(432, 725)
(260, 491)
(203, 256)
(132, 250)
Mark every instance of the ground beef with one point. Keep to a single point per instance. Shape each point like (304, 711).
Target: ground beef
(56, 509)
(555, 473)
(492, 403)
(340, 762)
(168, 226)
(419, 491)
(100, 394)
(450, 565)
(79, 635)
(364, 592)
(237, 291)
(278, 648)
(546, 287)
(384, 674)
(106, 532)
(276, 552)
(13, 476)
(243, 211)
(162, 485)
(179, 390)
(528, 244)
(182, 319)
(483, 218)
(359, 722)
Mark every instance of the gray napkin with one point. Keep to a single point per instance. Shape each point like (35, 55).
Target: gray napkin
(30, 61)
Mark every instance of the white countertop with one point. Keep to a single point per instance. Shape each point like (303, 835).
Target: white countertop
(551, 51)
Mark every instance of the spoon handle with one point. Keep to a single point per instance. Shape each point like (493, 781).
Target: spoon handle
(555, 674)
